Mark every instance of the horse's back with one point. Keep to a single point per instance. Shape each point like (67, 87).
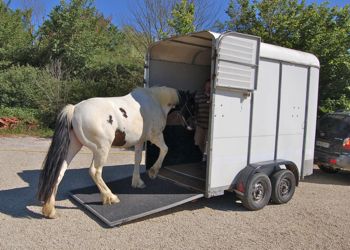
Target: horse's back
(134, 116)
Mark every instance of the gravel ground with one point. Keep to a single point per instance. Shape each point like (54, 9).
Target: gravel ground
(318, 216)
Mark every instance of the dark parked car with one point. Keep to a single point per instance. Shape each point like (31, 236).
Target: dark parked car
(332, 149)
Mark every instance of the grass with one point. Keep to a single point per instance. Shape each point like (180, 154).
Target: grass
(20, 131)
(26, 116)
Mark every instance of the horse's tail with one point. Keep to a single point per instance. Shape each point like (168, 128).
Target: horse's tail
(56, 155)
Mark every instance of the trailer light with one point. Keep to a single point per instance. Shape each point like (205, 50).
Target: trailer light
(333, 161)
(240, 187)
(346, 143)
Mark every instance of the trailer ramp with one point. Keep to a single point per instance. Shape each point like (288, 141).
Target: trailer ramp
(159, 195)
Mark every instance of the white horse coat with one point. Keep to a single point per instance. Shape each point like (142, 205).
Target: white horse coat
(99, 123)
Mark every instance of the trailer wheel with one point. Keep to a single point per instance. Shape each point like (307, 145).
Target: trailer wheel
(283, 186)
(258, 192)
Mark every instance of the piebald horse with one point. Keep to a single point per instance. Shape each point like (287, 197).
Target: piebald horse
(99, 123)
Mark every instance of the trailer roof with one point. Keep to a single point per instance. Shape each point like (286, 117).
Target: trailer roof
(195, 48)
(288, 55)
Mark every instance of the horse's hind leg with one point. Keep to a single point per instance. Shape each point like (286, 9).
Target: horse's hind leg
(136, 179)
(49, 210)
(159, 142)
(100, 157)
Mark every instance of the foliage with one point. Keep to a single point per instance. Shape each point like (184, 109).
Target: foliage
(25, 114)
(330, 105)
(86, 56)
(18, 86)
(318, 29)
(24, 131)
(153, 20)
(182, 18)
(75, 54)
(29, 87)
(27, 117)
(15, 35)
(78, 36)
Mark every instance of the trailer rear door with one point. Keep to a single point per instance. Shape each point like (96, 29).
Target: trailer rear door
(236, 77)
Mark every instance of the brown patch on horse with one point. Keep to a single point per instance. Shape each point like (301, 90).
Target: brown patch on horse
(124, 112)
(119, 139)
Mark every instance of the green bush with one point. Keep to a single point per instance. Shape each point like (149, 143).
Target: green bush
(17, 86)
(113, 79)
(331, 105)
(24, 114)
(35, 88)
(29, 122)
(32, 89)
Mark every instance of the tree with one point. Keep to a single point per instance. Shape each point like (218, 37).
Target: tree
(15, 35)
(318, 29)
(74, 33)
(37, 8)
(149, 20)
(77, 53)
(85, 54)
(182, 18)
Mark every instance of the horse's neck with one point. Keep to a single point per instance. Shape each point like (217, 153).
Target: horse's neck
(166, 97)
(161, 96)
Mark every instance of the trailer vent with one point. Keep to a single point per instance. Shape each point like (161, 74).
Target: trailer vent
(238, 59)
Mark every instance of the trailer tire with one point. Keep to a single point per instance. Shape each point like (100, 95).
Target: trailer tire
(258, 192)
(283, 186)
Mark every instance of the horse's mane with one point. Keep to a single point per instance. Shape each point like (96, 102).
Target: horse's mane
(164, 95)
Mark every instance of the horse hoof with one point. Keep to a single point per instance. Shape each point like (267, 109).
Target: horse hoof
(152, 174)
(55, 216)
(110, 199)
(49, 212)
(139, 184)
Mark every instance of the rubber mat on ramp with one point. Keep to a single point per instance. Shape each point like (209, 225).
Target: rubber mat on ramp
(158, 195)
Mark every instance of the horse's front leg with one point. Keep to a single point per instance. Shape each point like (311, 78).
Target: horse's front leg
(100, 157)
(136, 178)
(159, 142)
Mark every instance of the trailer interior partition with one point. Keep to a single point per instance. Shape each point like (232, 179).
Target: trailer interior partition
(184, 63)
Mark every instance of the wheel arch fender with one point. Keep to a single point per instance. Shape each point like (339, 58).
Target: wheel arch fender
(268, 167)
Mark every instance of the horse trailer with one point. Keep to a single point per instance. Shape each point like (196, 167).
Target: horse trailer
(262, 118)
(262, 113)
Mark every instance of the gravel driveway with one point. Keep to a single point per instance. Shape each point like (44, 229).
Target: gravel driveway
(318, 217)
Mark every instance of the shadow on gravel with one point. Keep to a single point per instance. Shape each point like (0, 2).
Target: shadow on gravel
(341, 178)
(14, 202)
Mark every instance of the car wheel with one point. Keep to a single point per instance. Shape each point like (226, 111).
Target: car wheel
(258, 192)
(328, 169)
(283, 186)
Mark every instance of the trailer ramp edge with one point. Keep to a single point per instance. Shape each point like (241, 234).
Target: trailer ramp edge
(159, 195)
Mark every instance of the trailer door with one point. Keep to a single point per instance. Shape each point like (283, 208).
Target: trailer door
(235, 78)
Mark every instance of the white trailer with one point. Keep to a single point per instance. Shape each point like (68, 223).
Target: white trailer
(261, 130)
(262, 114)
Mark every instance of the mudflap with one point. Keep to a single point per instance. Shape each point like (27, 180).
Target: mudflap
(158, 195)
